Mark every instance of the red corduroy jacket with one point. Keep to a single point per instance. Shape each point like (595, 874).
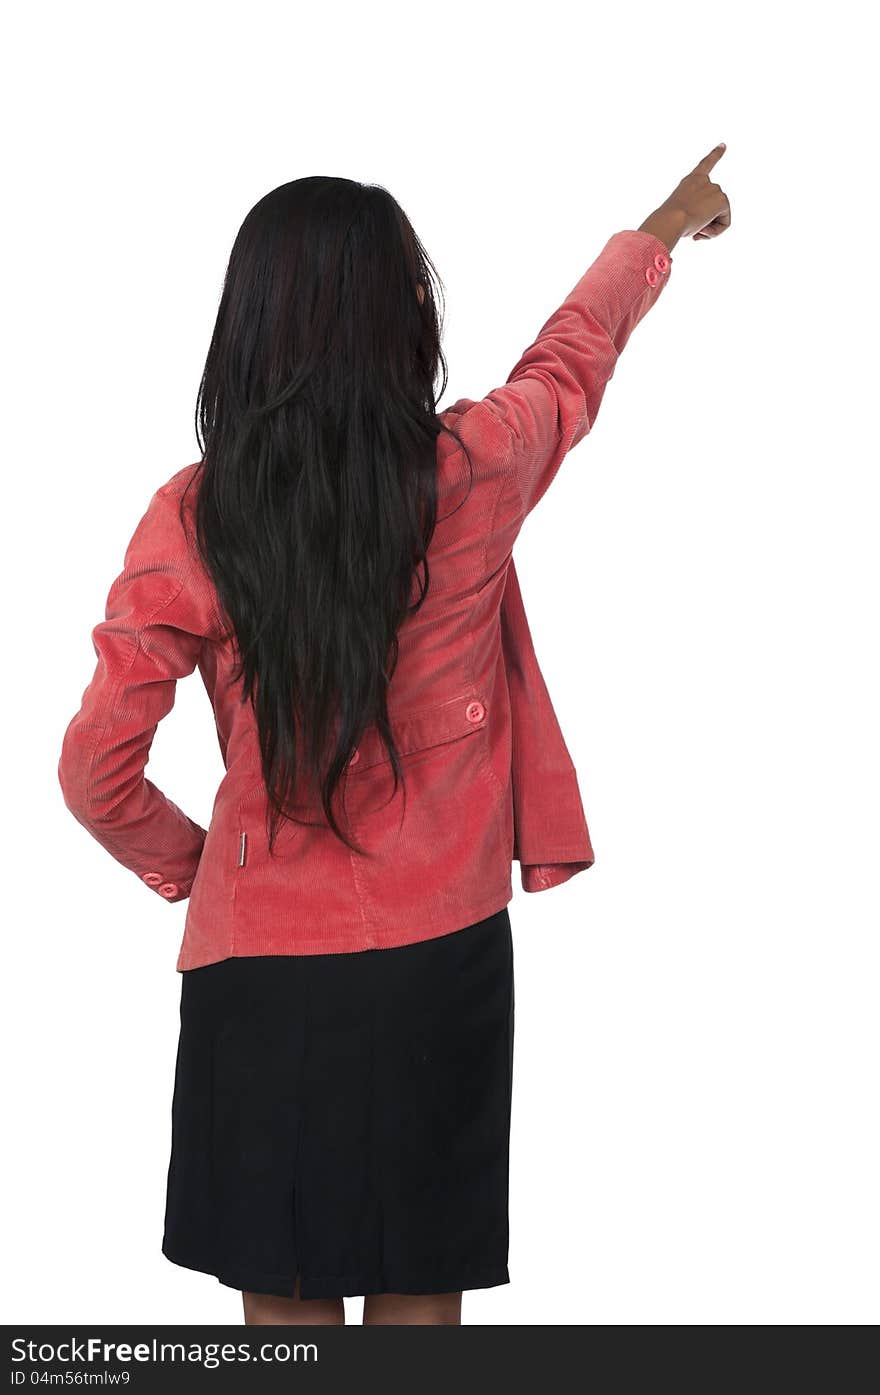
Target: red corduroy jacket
(489, 778)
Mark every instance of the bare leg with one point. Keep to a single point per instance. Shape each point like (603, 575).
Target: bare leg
(410, 1309)
(265, 1310)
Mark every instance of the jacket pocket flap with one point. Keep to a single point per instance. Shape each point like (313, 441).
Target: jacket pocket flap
(418, 731)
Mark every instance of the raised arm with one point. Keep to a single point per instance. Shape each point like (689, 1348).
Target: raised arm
(551, 398)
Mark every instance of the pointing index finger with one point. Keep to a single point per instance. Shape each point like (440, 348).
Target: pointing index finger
(709, 161)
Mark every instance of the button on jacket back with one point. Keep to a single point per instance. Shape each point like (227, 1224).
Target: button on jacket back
(488, 776)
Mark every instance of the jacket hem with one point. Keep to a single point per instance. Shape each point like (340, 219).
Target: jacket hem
(247, 945)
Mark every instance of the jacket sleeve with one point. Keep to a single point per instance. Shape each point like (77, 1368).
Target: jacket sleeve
(157, 617)
(552, 396)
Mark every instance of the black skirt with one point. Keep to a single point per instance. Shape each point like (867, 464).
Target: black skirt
(345, 1118)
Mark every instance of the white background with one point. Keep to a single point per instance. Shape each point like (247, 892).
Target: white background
(695, 1129)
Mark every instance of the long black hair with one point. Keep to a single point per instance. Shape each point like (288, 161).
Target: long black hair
(317, 500)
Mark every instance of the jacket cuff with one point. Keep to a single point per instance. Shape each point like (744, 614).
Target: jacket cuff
(623, 282)
(172, 878)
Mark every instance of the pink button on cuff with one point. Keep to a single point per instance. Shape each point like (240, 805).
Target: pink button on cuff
(475, 712)
(152, 878)
(169, 889)
(662, 263)
(652, 276)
